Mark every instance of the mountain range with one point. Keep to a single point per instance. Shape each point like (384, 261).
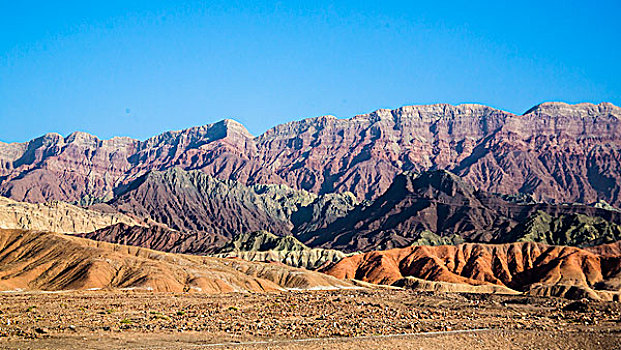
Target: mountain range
(554, 152)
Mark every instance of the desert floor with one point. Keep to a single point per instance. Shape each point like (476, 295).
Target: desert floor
(344, 319)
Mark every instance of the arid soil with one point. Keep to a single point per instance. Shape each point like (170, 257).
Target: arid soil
(344, 319)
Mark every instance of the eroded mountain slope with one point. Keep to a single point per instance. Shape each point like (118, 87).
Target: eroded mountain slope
(57, 216)
(265, 246)
(192, 201)
(447, 209)
(32, 260)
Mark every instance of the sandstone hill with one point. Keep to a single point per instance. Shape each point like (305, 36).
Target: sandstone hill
(56, 216)
(532, 268)
(32, 260)
(555, 151)
(438, 207)
(265, 246)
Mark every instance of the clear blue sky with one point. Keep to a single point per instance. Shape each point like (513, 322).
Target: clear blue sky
(113, 68)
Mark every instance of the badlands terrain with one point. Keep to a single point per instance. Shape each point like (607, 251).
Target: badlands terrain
(422, 227)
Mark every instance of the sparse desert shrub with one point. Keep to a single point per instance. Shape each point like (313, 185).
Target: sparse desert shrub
(159, 316)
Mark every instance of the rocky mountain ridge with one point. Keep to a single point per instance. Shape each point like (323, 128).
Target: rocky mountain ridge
(195, 213)
(555, 151)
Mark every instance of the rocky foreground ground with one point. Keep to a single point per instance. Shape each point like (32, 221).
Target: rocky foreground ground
(344, 319)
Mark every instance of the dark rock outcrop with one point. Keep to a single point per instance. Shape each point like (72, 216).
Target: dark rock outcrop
(441, 203)
(158, 237)
(569, 229)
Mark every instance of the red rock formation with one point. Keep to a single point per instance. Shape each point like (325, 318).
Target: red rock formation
(84, 168)
(529, 267)
(555, 151)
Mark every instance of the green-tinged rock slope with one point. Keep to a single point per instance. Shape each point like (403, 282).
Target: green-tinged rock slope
(192, 201)
(571, 229)
(265, 246)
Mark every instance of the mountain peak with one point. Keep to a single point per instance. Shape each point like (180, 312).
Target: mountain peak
(231, 123)
(563, 108)
(231, 128)
(430, 111)
(49, 138)
(82, 138)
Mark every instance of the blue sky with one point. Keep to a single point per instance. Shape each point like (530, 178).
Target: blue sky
(110, 68)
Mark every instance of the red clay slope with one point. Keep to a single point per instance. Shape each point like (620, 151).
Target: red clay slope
(528, 267)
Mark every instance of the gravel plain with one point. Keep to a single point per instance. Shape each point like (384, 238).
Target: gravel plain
(340, 319)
